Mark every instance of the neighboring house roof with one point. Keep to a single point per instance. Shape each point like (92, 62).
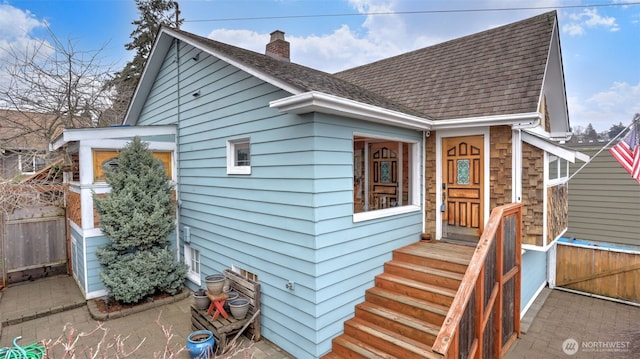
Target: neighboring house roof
(498, 71)
(24, 130)
(489, 78)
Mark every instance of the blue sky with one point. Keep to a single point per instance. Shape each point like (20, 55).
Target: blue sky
(600, 44)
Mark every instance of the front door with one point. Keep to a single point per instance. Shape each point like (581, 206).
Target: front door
(462, 187)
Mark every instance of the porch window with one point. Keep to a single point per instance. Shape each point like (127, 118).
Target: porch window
(558, 169)
(239, 156)
(384, 173)
(192, 260)
(29, 164)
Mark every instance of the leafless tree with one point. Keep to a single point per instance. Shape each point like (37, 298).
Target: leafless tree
(46, 86)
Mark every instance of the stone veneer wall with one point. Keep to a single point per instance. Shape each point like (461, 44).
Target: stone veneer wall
(557, 211)
(430, 185)
(500, 167)
(532, 194)
(74, 212)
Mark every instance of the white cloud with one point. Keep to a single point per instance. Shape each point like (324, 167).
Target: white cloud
(246, 39)
(589, 18)
(616, 104)
(573, 29)
(16, 23)
(16, 28)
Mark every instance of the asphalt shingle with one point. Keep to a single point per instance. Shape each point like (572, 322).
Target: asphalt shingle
(495, 72)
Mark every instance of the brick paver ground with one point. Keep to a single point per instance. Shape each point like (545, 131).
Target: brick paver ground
(583, 326)
(34, 301)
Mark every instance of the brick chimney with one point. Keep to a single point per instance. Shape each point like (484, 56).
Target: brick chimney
(277, 47)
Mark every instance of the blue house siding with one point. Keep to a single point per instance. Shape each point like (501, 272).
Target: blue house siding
(291, 219)
(77, 259)
(94, 283)
(534, 275)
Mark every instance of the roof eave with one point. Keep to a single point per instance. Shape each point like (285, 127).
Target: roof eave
(315, 101)
(101, 133)
(546, 145)
(156, 59)
(149, 73)
(516, 121)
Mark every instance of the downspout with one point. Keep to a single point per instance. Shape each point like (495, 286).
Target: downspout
(177, 150)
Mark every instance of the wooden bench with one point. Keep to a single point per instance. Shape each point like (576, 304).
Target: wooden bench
(222, 328)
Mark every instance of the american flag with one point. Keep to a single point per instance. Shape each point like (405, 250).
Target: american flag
(627, 152)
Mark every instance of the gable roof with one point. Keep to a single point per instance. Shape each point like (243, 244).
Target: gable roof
(291, 77)
(490, 78)
(495, 72)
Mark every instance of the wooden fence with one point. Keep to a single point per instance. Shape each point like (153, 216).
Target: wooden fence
(603, 271)
(32, 244)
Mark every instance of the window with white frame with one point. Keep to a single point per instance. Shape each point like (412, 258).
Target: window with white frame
(192, 260)
(384, 175)
(29, 164)
(239, 156)
(558, 169)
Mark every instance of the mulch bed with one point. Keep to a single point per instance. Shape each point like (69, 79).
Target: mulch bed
(110, 305)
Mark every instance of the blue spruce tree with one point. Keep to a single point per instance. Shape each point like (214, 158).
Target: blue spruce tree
(138, 215)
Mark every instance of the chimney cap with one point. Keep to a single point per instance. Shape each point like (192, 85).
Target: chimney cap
(277, 35)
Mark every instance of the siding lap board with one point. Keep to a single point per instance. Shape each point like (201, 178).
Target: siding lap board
(292, 218)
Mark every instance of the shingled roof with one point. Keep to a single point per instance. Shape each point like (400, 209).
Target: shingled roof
(495, 72)
(25, 130)
(301, 77)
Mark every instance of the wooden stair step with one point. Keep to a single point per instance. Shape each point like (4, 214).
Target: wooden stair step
(429, 312)
(441, 251)
(331, 355)
(416, 289)
(400, 323)
(388, 341)
(441, 277)
(432, 257)
(346, 346)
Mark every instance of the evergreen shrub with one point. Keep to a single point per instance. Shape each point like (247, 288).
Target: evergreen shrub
(138, 215)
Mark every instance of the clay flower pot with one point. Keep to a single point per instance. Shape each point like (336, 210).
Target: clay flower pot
(239, 307)
(215, 283)
(200, 299)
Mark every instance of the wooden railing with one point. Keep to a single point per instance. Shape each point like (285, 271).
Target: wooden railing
(484, 318)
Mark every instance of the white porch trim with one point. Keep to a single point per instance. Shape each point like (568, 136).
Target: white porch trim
(103, 133)
(562, 152)
(315, 101)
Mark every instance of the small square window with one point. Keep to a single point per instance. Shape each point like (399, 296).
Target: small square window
(239, 156)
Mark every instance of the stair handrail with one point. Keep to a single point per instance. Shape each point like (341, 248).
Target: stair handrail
(452, 320)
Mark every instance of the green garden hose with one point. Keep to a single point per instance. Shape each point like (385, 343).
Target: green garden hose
(32, 351)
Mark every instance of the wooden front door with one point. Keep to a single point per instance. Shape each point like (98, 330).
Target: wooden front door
(462, 187)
